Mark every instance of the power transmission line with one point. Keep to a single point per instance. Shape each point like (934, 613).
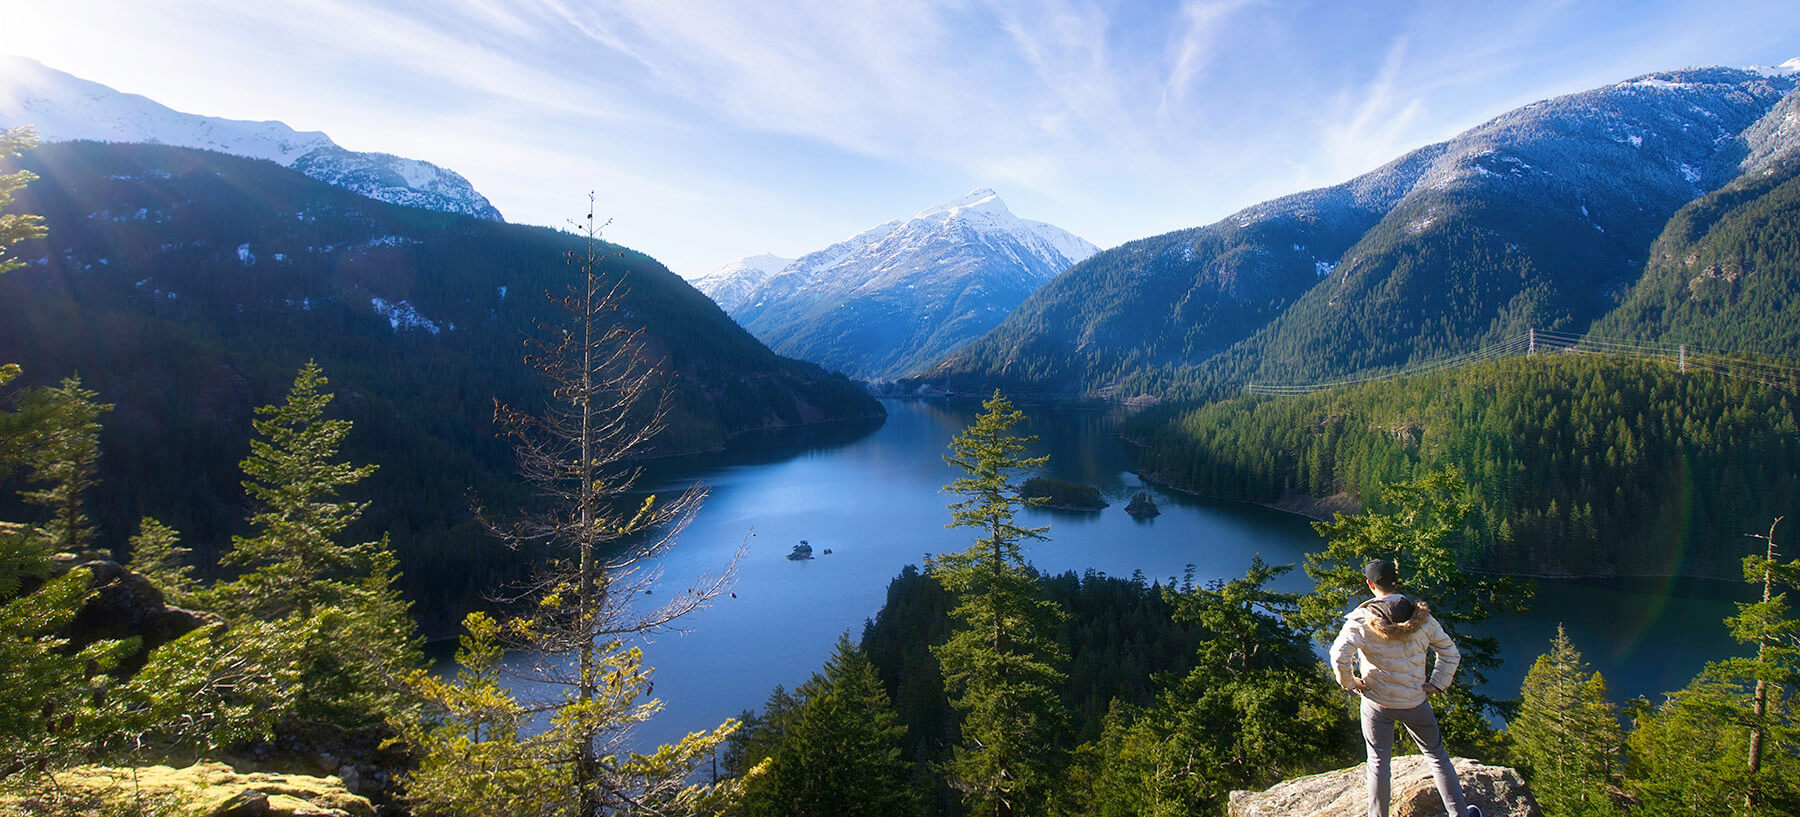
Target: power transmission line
(1780, 372)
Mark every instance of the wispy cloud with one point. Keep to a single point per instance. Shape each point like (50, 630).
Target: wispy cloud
(783, 124)
(1195, 48)
(1372, 120)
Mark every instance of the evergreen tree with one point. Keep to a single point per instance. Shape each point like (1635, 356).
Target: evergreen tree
(297, 562)
(1567, 733)
(1256, 708)
(1770, 626)
(607, 404)
(1730, 741)
(1000, 661)
(1687, 757)
(323, 614)
(24, 555)
(157, 554)
(1415, 525)
(52, 713)
(476, 759)
(64, 456)
(16, 227)
(838, 751)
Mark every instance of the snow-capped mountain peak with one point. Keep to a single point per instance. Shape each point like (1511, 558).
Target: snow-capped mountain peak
(66, 108)
(983, 200)
(896, 297)
(730, 284)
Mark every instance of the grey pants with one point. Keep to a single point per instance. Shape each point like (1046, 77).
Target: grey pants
(1378, 732)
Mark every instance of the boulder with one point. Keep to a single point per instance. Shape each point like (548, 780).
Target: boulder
(1498, 790)
(205, 788)
(126, 605)
(369, 761)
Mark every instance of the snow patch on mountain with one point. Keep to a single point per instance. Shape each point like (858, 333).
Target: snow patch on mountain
(66, 108)
(402, 315)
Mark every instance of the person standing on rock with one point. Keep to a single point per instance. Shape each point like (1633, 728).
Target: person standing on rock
(1390, 634)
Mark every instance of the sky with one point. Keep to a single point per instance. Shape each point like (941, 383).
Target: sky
(710, 131)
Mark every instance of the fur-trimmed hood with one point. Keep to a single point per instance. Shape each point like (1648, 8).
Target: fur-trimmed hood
(1378, 615)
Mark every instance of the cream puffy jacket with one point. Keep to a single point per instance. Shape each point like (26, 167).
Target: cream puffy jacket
(1393, 655)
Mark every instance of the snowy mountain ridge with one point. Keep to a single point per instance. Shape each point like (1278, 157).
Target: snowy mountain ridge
(66, 108)
(731, 284)
(884, 302)
(1564, 194)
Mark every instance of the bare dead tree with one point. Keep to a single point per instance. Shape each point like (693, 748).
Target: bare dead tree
(582, 455)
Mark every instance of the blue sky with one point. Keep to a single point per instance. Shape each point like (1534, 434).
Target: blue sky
(715, 130)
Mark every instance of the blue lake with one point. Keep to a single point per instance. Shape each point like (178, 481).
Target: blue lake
(873, 496)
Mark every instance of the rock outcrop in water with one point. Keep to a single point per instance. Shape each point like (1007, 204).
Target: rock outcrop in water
(1498, 790)
(1142, 506)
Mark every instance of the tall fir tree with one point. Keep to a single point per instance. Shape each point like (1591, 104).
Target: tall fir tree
(1730, 741)
(1000, 663)
(838, 750)
(315, 609)
(1567, 733)
(581, 454)
(64, 459)
(296, 560)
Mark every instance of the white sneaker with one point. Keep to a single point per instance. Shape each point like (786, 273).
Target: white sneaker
(1474, 811)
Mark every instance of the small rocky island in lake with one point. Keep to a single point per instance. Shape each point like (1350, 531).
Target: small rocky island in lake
(1141, 506)
(1044, 492)
(802, 552)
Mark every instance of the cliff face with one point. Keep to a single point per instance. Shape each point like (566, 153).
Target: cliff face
(1499, 791)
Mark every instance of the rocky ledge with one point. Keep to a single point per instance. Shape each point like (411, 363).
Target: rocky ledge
(1499, 791)
(209, 789)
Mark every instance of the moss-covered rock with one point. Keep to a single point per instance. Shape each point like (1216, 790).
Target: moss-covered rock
(205, 789)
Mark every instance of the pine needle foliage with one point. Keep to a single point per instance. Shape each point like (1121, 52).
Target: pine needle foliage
(64, 459)
(1000, 663)
(157, 554)
(318, 615)
(16, 227)
(833, 748)
(1567, 733)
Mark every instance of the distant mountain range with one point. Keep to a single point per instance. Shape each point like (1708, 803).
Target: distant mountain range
(887, 302)
(188, 286)
(66, 108)
(1542, 217)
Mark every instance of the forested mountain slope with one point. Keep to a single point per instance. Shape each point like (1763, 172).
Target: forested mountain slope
(1579, 464)
(1725, 275)
(1540, 217)
(188, 286)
